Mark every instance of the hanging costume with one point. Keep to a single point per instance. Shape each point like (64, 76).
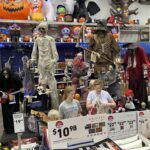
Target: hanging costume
(133, 63)
(45, 53)
(9, 83)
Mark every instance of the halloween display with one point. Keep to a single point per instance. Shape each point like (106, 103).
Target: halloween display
(19, 10)
(9, 62)
(36, 10)
(75, 33)
(112, 81)
(68, 18)
(4, 32)
(61, 10)
(69, 4)
(103, 48)
(134, 59)
(35, 33)
(26, 38)
(28, 77)
(65, 31)
(121, 10)
(45, 53)
(129, 105)
(88, 33)
(48, 10)
(81, 11)
(9, 83)
(80, 70)
(15, 34)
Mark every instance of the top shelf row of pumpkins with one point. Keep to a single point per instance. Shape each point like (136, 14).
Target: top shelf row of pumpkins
(40, 9)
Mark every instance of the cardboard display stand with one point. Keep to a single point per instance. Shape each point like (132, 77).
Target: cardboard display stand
(143, 119)
(64, 133)
(88, 130)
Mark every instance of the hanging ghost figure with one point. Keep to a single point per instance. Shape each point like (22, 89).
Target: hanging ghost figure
(28, 76)
(69, 5)
(48, 10)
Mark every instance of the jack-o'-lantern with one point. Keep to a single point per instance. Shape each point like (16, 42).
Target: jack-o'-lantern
(14, 9)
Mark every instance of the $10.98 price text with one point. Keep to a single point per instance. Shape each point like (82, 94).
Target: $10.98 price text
(64, 131)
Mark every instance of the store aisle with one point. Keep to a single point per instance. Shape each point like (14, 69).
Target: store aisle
(1, 122)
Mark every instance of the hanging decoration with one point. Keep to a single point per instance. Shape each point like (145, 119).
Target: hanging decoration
(14, 9)
(81, 11)
(121, 10)
(48, 10)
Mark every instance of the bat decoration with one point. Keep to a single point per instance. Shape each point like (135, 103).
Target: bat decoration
(81, 11)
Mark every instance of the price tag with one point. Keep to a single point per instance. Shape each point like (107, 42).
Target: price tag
(62, 131)
(18, 122)
(121, 125)
(144, 123)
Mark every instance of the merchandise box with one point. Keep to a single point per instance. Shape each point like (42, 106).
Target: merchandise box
(95, 128)
(105, 144)
(136, 142)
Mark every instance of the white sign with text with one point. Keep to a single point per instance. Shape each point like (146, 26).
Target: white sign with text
(18, 122)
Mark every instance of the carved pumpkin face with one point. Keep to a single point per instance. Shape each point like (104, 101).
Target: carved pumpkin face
(14, 9)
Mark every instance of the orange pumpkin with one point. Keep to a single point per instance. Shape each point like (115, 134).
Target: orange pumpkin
(115, 36)
(82, 19)
(17, 10)
(77, 96)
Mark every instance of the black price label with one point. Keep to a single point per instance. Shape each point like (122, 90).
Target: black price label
(64, 132)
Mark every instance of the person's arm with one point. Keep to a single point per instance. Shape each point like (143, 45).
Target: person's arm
(89, 104)
(61, 112)
(111, 102)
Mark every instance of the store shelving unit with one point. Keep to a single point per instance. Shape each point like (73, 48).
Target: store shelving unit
(127, 33)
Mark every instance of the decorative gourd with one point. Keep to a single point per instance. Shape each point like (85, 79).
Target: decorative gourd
(77, 96)
(17, 10)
